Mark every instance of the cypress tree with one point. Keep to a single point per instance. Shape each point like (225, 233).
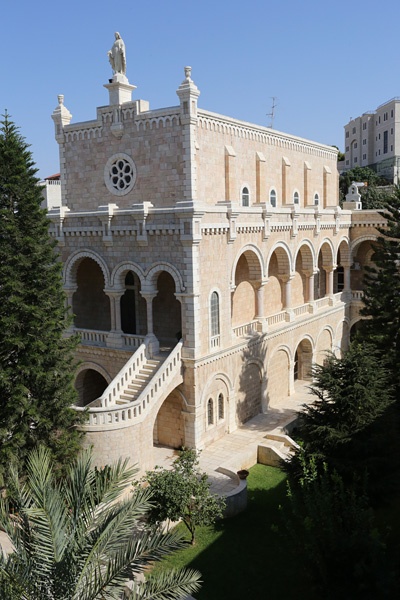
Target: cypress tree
(36, 359)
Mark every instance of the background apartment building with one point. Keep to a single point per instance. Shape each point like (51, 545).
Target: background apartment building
(373, 140)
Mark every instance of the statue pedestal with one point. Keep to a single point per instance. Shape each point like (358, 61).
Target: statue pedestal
(120, 90)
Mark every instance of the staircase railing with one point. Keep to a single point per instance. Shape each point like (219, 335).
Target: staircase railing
(118, 416)
(124, 377)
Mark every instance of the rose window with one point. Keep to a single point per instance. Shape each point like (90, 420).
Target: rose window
(120, 174)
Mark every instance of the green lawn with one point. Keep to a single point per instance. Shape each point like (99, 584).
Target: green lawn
(243, 557)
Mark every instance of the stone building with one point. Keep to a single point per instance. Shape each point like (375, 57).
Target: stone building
(373, 140)
(207, 263)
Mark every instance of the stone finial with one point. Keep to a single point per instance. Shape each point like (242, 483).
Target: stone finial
(188, 72)
(61, 116)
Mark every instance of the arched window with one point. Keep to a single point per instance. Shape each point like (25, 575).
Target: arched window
(245, 196)
(296, 198)
(210, 412)
(272, 198)
(221, 406)
(214, 314)
(316, 199)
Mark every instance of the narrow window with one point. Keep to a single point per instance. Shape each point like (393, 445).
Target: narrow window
(210, 412)
(220, 406)
(214, 314)
(272, 198)
(296, 198)
(316, 199)
(245, 196)
(385, 141)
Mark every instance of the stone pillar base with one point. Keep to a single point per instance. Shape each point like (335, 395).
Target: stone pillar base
(152, 344)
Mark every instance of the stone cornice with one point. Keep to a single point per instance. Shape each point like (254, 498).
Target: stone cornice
(271, 137)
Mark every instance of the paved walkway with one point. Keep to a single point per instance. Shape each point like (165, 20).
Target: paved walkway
(238, 450)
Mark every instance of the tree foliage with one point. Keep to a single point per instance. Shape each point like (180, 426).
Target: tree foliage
(83, 538)
(183, 493)
(350, 393)
(36, 360)
(333, 527)
(345, 424)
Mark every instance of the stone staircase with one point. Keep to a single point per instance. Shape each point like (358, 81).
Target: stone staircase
(142, 383)
(140, 380)
(276, 448)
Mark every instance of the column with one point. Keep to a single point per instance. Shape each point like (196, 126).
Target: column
(114, 338)
(287, 281)
(347, 282)
(310, 286)
(150, 339)
(260, 316)
(69, 292)
(329, 280)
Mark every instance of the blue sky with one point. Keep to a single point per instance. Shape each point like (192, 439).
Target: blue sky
(325, 62)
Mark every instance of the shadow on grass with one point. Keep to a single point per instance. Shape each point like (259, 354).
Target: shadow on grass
(248, 557)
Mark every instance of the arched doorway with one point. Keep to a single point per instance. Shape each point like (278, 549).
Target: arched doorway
(90, 385)
(248, 397)
(167, 311)
(133, 306)
(247, 278)
(278, 378)
(324, 346)
(169, 427)
(303, 361)
(90, 304)
(277, 297)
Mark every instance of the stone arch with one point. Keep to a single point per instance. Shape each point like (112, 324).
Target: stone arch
(342, 338)
(119, 272)
(343, 263)
(279, 271)
(154, 271)
(343, 248)
(354, 325)
(324, 344)
(304, 269)
(327, 252)
(362, 256)
(284, 258)
(72, 264)
(169, 424)
(249, 391)
(358, 241)
(255, 261)
(247, 277)
(278, 376)
(307, 250)
(303, 360)
(325, 266)
(90, 304)
(167, 320)
(90, 382)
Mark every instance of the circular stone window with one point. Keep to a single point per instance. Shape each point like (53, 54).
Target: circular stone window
(120, 174)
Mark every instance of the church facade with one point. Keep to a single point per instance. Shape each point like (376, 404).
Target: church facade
(207, 263)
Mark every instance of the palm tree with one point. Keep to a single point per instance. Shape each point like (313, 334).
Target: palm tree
(83, 537)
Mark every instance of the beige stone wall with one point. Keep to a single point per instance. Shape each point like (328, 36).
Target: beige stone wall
(153, 141)
(291, 164)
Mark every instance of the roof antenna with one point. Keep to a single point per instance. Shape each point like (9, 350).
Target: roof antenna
(271, 115)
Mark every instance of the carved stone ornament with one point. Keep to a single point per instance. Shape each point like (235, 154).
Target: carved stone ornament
(120, 174)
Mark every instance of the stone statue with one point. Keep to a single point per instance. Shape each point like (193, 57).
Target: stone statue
(117, 56)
